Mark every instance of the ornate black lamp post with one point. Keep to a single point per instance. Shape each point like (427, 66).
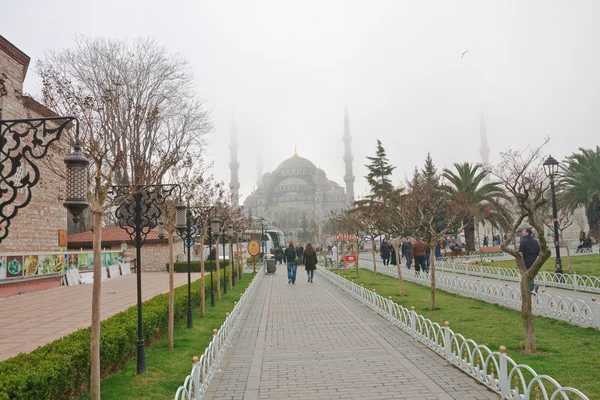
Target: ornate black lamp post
(188, 225)
(24, 142)
(214, 228)
(138, 212)
(551, 168)
(263, 228)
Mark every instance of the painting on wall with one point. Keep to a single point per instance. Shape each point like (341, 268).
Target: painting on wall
(106, 259)
(30, 266)
(14, 266)
(91, 260)
(73, 260)
(115, 258)
(83, 261)
(51, 264)
(2, 267)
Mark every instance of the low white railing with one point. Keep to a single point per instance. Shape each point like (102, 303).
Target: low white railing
(494, 369)
(575, 311)
(575, 282)
(203, 369)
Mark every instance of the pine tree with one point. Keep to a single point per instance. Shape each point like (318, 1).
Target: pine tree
(429, 172)
(380, 172)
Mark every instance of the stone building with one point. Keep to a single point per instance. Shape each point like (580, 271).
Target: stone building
(297, 191)
(35, 227)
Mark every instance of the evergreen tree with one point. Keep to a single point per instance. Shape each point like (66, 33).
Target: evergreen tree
(304, 235)
(429, 172)
(380, 172)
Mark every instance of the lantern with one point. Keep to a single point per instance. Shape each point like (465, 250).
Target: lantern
(180, 216)
(77, 183)
(551, 167)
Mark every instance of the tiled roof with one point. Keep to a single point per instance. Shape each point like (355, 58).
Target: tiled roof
(110, 234)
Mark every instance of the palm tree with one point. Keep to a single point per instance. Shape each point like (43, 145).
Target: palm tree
(579, 185)
(479, 200)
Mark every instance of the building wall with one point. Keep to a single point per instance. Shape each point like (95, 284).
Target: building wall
(35, 228)
(155, 256)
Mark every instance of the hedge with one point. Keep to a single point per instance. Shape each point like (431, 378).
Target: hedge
(61, 369)
(182, 266)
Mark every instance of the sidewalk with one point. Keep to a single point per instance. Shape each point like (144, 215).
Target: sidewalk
(34, 319)
(311, 341)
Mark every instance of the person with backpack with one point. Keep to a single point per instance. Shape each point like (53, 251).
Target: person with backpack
(309, 259)
(290, 258)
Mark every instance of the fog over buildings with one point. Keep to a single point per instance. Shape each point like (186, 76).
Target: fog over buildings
(285, 70)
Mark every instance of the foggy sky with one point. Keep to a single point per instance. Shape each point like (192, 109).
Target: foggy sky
(285, 69)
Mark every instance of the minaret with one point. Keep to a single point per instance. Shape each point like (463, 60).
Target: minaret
(234, 166)
(259, 172)
(349, 176)
(484, 151)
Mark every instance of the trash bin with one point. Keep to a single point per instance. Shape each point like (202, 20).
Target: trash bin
(271, 266)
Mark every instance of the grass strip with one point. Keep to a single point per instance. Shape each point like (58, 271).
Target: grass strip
(568, 353)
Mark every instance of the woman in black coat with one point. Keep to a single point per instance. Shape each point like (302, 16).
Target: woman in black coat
(309, 260)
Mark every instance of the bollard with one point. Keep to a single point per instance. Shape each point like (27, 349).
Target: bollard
(575, 282)
(447, 341)
(503, 374)
(595, 307)
(413, 321)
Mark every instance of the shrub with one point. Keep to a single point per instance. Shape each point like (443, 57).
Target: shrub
(61, 369)
(195, 266)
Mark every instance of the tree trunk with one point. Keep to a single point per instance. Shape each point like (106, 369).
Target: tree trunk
(202, 280)
(217, 270)
(399, 266)
(97, 286)
(593, 217)
(374, 261)
(432, 276)
(357, 254)
(171, 291)
(527, 314)
(469, 230)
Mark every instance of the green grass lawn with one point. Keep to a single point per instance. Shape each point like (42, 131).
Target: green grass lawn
(570, 353)
(583, 265)
(167, 368)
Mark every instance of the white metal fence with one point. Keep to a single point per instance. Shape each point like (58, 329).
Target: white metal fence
(203, 369)
(574, 311)
(494, 369)
(575, 282)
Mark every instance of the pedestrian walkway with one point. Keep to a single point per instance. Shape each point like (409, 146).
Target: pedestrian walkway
(34, 319)
(312, 341)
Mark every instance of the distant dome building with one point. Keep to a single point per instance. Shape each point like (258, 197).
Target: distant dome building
(297, 189)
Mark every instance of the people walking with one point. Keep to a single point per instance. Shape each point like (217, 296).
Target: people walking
(419, 250)
(290, 258)
(530, 250)
(309, 260)
(406, 250)
(384, 251)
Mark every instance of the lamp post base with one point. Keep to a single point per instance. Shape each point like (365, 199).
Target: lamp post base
(212, 299)
(190, 323)
(141, 357)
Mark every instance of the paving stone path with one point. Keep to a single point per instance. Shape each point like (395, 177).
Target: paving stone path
(34, 319)
(312, 341)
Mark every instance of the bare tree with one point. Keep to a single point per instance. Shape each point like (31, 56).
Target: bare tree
(138, 118)
(522, 175)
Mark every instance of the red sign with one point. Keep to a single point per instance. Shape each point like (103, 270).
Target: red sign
(350, 259)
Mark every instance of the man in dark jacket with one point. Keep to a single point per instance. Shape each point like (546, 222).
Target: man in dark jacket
(384, 251)
(418, 253)
(530, 249)
(290, 258)
(406, 249)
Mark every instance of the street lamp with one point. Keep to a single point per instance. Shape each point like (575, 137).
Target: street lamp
(551, 168)
(230, 235)
(263, 228)
(214, 228)
(224, 237)
(188, 225)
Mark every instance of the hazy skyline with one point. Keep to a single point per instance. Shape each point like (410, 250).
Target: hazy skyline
(286, 69)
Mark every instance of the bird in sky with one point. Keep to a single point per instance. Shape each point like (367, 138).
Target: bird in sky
(463, 54)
